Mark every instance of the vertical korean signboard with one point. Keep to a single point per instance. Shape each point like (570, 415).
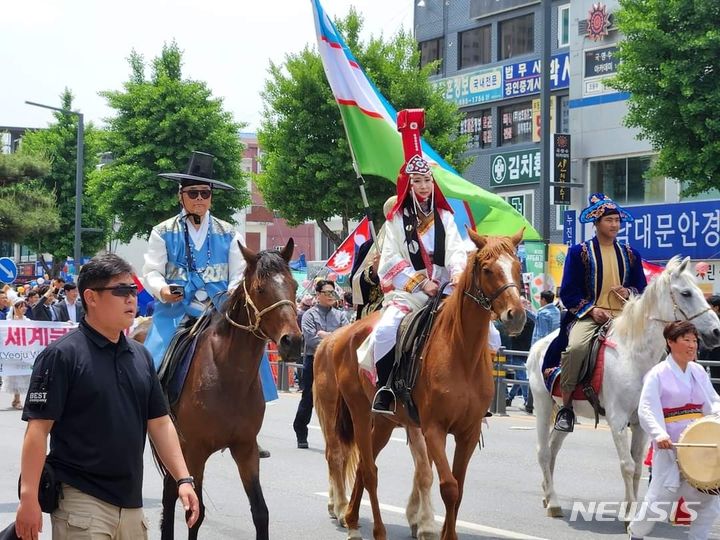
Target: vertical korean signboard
(561, 168)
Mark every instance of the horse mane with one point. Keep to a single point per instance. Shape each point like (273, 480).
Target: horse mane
(630, 324)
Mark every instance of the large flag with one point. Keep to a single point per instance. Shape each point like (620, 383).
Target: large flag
(341, 262)
(370, 122)
(651, 270)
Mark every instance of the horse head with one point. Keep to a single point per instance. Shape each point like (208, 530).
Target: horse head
(686, 301)
(267, 294)
(492, 278)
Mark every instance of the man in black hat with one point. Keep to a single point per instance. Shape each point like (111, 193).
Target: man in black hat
(192, 257)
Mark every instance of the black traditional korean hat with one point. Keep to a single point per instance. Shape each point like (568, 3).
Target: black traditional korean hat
(199, 172)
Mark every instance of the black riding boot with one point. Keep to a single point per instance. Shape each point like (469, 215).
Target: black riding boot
(384, 396)
(565, 419)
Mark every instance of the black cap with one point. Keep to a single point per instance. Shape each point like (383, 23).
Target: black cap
(199, 172)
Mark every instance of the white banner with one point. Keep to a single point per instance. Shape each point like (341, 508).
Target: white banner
(22, 341)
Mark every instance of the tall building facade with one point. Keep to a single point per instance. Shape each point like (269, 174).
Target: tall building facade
(489, 52)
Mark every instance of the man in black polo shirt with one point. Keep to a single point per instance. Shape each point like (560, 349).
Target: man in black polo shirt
(97, 395)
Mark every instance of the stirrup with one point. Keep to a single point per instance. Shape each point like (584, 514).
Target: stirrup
(378, 398)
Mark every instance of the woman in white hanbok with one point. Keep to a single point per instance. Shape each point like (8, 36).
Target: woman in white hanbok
(421, 251)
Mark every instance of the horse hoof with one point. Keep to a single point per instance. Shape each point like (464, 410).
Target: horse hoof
(428, 536)
(413, 531)
(331, 511)
(342, 522)
(554, 511)
(545, 502)
(354, 534)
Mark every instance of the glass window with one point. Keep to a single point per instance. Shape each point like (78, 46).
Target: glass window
(430, 51)
(516, 123)
(564, 114)
(474, 47)
(6, 249)
(564, 25)
(27, 254)
(517, 36)
(625, 180)
(479, 126)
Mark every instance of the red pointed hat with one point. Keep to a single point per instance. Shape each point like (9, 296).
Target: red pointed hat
(410, 122)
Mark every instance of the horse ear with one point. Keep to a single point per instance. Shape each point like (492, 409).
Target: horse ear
(517, 237)
(683, 265)
(249, 255)
(287, 251)
(478, 240)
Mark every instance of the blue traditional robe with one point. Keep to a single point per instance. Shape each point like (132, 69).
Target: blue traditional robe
(581, 284)
(218, 265)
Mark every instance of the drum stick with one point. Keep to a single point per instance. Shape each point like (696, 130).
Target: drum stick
(695, 445)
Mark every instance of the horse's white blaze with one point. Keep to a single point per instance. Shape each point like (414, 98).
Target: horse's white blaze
(277, 278)
(506, 263)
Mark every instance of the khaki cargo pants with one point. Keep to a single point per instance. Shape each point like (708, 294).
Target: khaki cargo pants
(83, 517)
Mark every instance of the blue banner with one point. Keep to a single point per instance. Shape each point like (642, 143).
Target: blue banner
(523, 78)
(569, 227)
(663, 230)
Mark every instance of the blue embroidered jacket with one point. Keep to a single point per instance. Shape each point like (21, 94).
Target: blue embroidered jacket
(583, 275)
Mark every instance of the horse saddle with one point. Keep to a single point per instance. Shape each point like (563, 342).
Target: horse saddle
(178, 356)
(412, 334)
(590, 375)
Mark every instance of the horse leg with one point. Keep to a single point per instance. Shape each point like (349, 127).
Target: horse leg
(436, 438)
(547, 447)
(627, 465)
(367, 469)
(419, 510)
(169, 498)
(336, 456)
(196, 465)
(247, 459)
(464, 448)
(352, 513)
(638, 448)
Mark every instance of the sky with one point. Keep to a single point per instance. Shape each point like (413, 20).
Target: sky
(84, 45)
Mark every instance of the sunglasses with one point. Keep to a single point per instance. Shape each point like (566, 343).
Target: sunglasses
(195, 193)
(119, 290)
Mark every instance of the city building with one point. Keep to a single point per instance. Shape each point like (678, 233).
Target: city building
(489, 53)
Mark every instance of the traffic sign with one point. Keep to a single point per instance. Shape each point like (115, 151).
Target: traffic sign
(8, 270)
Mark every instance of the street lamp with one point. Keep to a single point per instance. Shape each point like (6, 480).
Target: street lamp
(78, 176)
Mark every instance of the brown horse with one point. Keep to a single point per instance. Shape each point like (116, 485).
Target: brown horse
(453, 390)
(222, 405)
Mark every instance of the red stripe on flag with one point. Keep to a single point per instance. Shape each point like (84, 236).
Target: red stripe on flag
(353, 103)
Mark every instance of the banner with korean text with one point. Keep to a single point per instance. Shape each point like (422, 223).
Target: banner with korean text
(22, 341)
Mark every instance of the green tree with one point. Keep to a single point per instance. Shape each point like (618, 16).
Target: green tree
(669, 64)
(58, 144)
(158, 122)
(307, 167)
(27, 208)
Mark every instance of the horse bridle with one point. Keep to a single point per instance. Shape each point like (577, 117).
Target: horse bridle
(480, 297)
(677, 308)
(255, 329)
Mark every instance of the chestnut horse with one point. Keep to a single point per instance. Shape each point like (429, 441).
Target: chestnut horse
(453, 391)
(221, 404)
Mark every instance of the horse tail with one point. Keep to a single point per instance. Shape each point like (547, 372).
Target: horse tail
(343, 422)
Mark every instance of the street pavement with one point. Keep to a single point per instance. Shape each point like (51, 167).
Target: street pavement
(502, 493)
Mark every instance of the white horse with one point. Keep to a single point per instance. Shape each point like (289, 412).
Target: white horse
(638, 335)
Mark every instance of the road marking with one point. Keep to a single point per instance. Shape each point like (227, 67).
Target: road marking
(495, 532)
(396, 439)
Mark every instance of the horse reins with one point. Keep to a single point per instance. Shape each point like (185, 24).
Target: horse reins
(480, 298)
(254, 329)
(677, 308)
